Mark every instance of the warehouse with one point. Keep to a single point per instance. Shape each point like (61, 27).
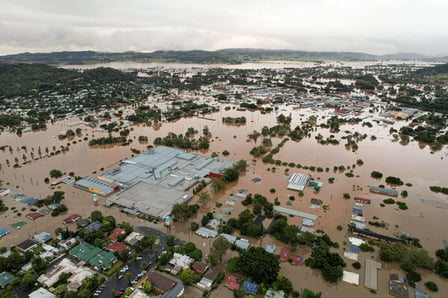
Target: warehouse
(384, 191)
(155, 180)
(97, 186)
(150, 199)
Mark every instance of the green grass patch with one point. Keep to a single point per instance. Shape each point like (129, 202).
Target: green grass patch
(115, 268)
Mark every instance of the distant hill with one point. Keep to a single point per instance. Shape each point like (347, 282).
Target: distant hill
(225, 56)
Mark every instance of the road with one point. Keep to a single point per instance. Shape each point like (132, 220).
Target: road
(114, 284)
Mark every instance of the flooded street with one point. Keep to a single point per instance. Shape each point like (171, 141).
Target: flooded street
(411, 163)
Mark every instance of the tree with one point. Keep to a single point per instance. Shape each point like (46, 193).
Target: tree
(284, 284)
(218, 250)
(218, 185)
(147, 287)
(96, 216)
(128, 277)
(310, 294)
(29, 278)
(55, 173)
(204, 197)
(128, 291)
(261, 266)
(187, 276)
(230, 174)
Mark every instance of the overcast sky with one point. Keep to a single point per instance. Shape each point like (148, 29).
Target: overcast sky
(372, 26)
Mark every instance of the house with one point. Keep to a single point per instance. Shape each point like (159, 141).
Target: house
(43, 237)
(5, 279)
(180, 262)
(285, 254)
(93, 255)
(208, 278)
(160, 283)
(115, 233)
(41, 293)
(78, 274)
(271, 293)
(27, 245)
(67, 243)
(133, 238)
(117, 246)
(94, 226)
(71, 219)
(232, 282)
(250, 287)
(270, 248)
(199, 267)
(362, 200)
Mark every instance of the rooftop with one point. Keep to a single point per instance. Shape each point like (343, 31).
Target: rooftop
(93, 255)
(371, 274)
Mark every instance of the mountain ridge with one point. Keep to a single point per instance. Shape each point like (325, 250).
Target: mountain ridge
(223, 56)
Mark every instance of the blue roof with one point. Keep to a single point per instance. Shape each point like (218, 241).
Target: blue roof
(354, 248)
(420, 294)
(96, 225)
(4, 231)
(250, 287)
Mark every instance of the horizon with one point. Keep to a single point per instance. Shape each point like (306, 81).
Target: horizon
(225, 49)
(378, 27)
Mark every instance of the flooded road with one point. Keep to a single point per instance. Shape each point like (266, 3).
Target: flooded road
(413, 164)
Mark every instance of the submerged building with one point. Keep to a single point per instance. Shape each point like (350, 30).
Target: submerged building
(152, 182)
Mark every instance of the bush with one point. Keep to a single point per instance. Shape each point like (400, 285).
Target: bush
(356, 265)
(376, 175)
(394, 180)
(430, 285)
(389, 201)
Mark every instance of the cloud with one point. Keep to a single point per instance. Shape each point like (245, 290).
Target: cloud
(379, 27)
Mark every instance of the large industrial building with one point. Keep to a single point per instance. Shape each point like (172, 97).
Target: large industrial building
(155, 180)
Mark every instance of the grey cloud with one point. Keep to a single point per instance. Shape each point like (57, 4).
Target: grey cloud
(379, 26)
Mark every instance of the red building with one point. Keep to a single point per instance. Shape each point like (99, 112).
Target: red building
(362, 200)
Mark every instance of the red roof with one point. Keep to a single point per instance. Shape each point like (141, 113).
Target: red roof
(232, 282)
(34, 215)
(298, 260)
(113, 236)
(285, 254)
(72, 218)
(117, 246)
(358, 199)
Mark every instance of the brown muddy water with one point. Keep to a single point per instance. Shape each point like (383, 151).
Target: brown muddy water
(411, 163)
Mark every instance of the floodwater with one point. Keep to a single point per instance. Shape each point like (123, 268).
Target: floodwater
(411, 163)
(277, 64)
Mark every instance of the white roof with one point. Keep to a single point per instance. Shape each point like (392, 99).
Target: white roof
(355, 241)
(351, 278)
(41, 293)
(298, 181)
(351, 255)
